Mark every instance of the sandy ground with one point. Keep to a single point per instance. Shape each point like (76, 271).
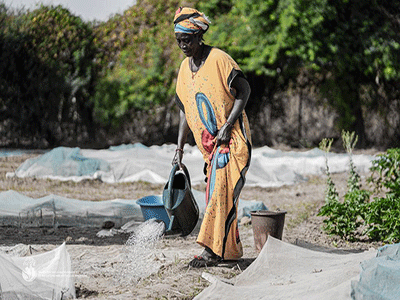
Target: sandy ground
(104, 267)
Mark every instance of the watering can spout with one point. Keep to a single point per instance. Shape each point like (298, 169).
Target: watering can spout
(180, 203)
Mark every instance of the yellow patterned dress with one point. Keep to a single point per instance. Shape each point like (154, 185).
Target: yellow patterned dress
(206, 100)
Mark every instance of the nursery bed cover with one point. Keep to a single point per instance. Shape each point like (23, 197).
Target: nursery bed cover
(53, 210)
(43, 276)
(380, 276)
(286, 271)
(136, 162)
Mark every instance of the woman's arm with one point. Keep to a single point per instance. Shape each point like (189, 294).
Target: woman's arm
(182, 136)
(241, 90)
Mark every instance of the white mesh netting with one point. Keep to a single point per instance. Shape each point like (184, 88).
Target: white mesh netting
(52, 210)
(380, 276)
(286, 271)
(42, 276)
(128, 163)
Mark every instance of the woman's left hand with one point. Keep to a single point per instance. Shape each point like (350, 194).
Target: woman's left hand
(224, 134)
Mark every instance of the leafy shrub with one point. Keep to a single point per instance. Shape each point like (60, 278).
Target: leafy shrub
(46, 75)
(344, 218)
(383, 217)
(349, 142)
(331, 195)
(386, 172)
(142, 61)
(380, 217)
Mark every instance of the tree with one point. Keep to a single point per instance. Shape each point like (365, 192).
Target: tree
(143, 61)
(65, 43)
(349, 47)
(47, 75)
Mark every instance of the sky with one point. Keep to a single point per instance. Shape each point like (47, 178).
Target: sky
(88, 10)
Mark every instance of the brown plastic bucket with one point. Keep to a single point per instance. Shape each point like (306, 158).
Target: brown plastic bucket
(267, 223)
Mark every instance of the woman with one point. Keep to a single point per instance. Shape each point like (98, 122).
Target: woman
(212, 92)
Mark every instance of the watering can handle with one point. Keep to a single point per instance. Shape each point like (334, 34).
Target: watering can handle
(167, 200)
(175, 168)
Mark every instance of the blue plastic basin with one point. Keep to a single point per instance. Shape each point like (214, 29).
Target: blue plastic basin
(153, 208)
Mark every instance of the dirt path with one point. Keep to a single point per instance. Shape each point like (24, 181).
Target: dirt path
(100, 264)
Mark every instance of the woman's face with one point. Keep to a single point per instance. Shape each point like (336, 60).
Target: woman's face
(189, 43)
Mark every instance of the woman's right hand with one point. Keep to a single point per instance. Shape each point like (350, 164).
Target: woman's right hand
(182, 135)
(178, 158)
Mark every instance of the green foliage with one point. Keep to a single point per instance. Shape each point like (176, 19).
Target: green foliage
(383, 219)
(386, 172)
(216, 7)
(260, 33)
(381, 216)
(143, 73)
(331, 194)
(59, 38)
(349, 143)
(346, 46)
(124, 89)
(384, 212)
(60, 75)
(343, 218)
(46, 73)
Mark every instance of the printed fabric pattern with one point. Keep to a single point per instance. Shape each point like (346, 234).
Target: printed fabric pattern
(206, 99)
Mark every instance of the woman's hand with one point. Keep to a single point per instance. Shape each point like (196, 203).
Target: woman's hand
(178, 158)
(182, 135)
(224, 134)
(240, 89)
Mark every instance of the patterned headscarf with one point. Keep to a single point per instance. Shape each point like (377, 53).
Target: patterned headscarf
(190, 21)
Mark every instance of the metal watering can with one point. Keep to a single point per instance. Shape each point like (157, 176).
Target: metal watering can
(179, 202)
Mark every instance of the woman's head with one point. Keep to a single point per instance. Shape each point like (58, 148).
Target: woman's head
(190, 21)
(189, 27)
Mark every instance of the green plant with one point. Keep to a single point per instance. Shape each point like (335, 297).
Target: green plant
(140, 62)
(344, 218)
(383, 217)
(349, 142)
(330, 193)
(386, 172)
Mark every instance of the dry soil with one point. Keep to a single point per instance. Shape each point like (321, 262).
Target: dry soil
(100, 264)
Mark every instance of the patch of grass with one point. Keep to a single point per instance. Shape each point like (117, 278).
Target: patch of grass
(195, 292)
(300, 212)
(316, 179)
